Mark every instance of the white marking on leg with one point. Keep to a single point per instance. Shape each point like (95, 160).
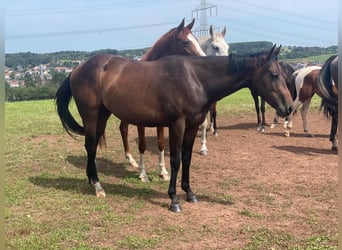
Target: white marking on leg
(204, 150)
(99, 191)
(142, 173)
(163, 172)
(131, 160)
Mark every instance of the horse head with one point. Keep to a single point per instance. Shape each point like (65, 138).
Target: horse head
(185, 43)
(215, 44)
(269, 81)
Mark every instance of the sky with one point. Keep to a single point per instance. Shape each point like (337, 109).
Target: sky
(41, 26)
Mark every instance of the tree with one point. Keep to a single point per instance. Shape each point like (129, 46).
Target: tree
(29, 81)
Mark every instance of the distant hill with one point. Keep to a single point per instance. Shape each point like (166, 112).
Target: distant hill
(29, 59)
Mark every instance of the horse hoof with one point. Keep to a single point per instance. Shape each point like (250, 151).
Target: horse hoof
(165, 177)
(176, 208)
(100, 194)
(215, 134)
(204, 152)
(192, 199)
(272, 126)
(287, 134)
(334, 149)
(144, 179)
(134, 164)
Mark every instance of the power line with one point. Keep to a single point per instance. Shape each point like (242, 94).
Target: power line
(82, 32)
(285, 12)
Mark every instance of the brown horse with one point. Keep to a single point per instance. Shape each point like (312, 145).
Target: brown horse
(328, 86)
(174, 92)
(178, 41)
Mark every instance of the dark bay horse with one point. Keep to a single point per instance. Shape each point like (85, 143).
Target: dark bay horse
(287, 71)
(174, 92)
(178, 41)
(328, 86)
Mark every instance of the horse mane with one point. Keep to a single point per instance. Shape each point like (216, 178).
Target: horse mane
(239, 61)
(160, 46)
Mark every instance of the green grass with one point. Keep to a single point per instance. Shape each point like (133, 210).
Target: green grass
(49, 204)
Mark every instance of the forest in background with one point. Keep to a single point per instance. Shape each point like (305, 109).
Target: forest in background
(28, 59)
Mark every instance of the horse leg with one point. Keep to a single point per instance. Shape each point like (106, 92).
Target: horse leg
(93, 133)
(163, 172)
(188, 142)
(288, 125)
(263, 110)
(333, 131)
(204, 149)
(213, 115)
(142, 147)
(176, 133)
(304, 111)
(275, 121)
(124, 135)
(257, 110)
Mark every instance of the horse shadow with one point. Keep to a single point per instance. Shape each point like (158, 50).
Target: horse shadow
(304, 150)
(270, 132)
(238, 126)
(109, 168)
(80, 186)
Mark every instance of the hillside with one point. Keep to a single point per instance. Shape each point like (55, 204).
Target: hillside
(29, 59)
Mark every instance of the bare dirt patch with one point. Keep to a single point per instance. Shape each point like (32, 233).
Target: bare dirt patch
(252, 185)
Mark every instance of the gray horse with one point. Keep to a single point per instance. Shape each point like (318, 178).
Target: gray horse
(212, 45)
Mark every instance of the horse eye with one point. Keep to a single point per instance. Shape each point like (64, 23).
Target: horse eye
(274, 74)
(215, 47)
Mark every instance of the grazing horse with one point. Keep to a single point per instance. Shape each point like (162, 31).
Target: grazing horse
(328, 86)
(212, 45)
(304, 83)
(174, 92)
(178, 41)
(287, 71)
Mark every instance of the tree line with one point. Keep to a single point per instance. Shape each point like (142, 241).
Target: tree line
(34, 90)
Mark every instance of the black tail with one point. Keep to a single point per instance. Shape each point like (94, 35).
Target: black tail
(325, 82)
(62, 99)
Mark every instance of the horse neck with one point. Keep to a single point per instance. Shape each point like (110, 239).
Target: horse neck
(222, 76)
(161, 48)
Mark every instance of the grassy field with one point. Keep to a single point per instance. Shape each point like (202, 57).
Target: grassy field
(49, 207)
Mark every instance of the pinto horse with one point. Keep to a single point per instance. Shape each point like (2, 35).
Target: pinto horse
(328, 86)
(178, 41)
(304, 83)
(212, 45)
(174, 92)
(287, 71)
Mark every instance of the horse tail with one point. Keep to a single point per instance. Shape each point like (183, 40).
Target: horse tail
(325, 82)
(62, 98)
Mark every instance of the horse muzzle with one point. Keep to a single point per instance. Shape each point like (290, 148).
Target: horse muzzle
(284, 110)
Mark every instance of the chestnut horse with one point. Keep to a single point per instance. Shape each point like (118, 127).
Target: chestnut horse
(328, 86)
(174, 92)
(178, 41)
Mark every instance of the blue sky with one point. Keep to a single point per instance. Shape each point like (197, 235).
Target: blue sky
(83, 25)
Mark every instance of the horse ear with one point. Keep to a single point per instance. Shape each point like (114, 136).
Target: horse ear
(181, 25)
(270, 53)
(190, 25)
(211, 31)
(223, 32)
(277, 51)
